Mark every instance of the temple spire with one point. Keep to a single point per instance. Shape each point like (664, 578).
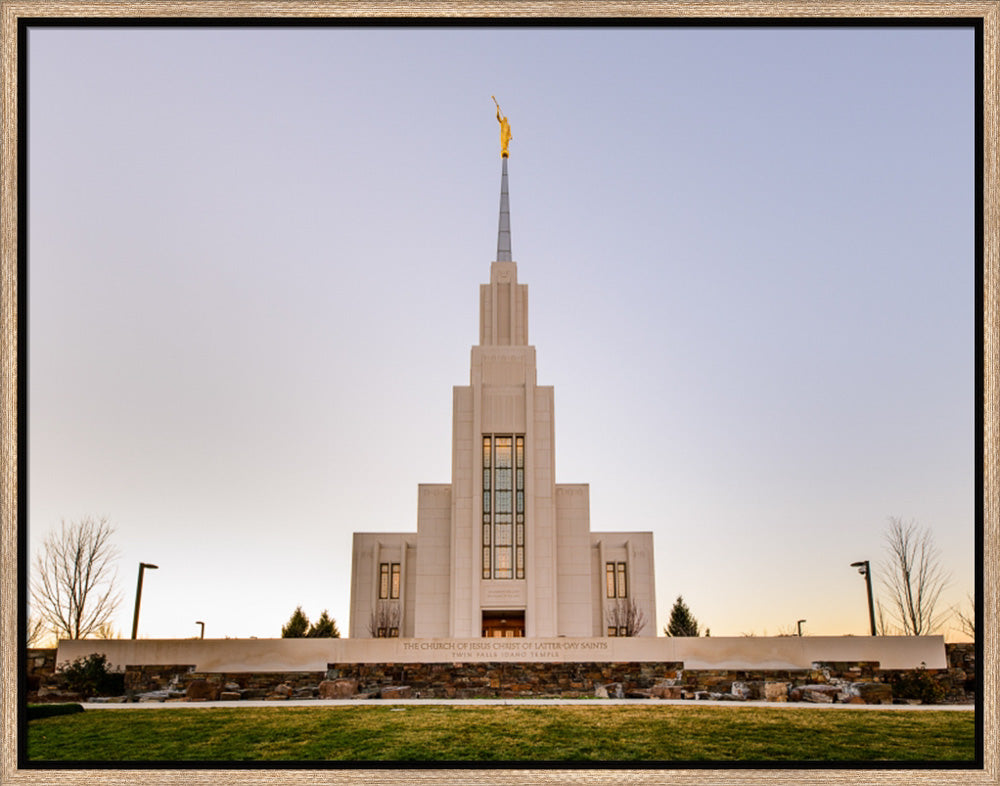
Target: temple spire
(503, 234)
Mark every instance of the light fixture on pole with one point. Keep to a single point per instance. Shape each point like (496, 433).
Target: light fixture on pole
(138, 596)
(199, 622)
(799, 625)
(865, 569)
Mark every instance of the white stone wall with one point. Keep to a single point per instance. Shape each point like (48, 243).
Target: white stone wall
(635, 549)
(737, 653)
(465, 512)
(541, 553)
(370, 549)
(575, 577)
(433, 564)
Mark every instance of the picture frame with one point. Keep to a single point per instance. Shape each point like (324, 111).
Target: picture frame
(12, 389)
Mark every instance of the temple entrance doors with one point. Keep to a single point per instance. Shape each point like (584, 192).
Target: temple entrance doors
(503, 624)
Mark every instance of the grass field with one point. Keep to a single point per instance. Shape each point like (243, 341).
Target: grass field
(484, 734)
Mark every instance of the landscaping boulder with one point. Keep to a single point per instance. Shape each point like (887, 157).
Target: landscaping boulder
(667, 691)
(201, 690)
(338, 689)
(284, 689)
(229, 695)
(613, 690)
(776, 691)
(750, 689)
(58, 696)
(396, 692)
(819, 694)
(872, 692)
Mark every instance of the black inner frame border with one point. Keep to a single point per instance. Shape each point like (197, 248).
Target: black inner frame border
(24, 24)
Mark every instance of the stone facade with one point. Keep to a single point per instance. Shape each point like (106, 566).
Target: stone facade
(184, 683)
(41, 666)
(840, 682)
(503, 680)
(564, 675)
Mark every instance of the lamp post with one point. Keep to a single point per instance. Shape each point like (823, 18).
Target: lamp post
(799, 625)
(865, 569)
(138, 595)
(199, 622)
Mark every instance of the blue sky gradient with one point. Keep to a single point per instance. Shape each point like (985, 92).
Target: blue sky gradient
(254, 259)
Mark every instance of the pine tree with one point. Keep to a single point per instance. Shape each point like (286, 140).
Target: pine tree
(324, 628)
(297, 626)
(682, 621)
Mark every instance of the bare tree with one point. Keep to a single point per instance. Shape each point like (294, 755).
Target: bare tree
(35, 632)
(967, 619)
(625, 617)
(73, 584)
(912, 577)
(882, 627)
(107, 631)
(384, 620)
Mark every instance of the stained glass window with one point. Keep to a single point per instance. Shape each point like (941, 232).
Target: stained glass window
(622, 581)
(519, 490)
(503, 489)
(617, 581)
(394, 589)
(383, 580)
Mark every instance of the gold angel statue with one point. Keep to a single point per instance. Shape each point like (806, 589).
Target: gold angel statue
(504, 130)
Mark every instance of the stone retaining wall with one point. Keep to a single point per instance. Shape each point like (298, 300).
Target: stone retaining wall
(41, 666)
(832, 681)
(503, 680)
(851, 682)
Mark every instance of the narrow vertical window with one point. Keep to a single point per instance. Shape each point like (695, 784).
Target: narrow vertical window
(503, 510)
(487, 517)
(610, 575)
(519, 490)
(503, 507)
(383, 580)
(622, 581)
(394, 589)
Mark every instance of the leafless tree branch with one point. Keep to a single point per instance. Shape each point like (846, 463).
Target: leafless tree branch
(73, 583)
(912, 577)
(384, 617)
(625, 616)
(967, 619)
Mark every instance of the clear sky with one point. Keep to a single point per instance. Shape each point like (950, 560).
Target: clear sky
(254, 260)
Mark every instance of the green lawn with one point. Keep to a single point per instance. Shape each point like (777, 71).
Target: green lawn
(481, 734)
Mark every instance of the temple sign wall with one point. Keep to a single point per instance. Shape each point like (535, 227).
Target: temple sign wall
(737, 653)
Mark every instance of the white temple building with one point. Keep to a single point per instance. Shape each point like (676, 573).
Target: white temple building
(502, 550)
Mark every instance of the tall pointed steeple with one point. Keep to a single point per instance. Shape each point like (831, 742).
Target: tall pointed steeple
(503, 234)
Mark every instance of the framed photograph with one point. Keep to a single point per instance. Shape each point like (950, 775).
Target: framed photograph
(247, 249)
